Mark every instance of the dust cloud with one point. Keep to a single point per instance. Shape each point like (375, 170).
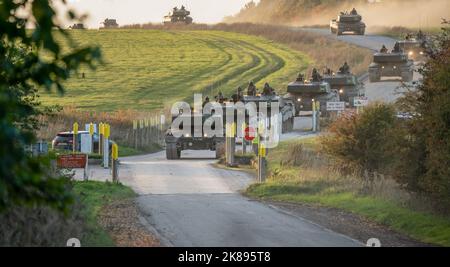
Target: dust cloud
(414, 13)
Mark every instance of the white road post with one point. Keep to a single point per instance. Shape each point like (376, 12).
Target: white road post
(106, 146)
(314, 118)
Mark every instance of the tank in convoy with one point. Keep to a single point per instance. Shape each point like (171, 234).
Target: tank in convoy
(77, 26)
(414, 45)
(348, 23)
(391, 64)
(269, 95)
(176, 143)
(344, 82)
(178, 16)
(305, 92)
(110, 24)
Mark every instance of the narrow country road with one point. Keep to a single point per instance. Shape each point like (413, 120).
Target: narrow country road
(190, 202)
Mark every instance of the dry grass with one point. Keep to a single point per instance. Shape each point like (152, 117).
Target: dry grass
(121, 122)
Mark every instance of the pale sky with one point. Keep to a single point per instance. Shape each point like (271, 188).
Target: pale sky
(142, 11)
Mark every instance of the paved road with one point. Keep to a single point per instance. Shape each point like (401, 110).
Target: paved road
(191, 203)
(388, 90)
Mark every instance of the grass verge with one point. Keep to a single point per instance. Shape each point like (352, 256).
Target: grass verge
(94, 196)
(304, 179)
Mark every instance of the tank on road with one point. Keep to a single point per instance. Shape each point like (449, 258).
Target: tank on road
(193, 140)
(348, 23)
(414, 45)
(393, 64)
(344, 82)
(305, 92)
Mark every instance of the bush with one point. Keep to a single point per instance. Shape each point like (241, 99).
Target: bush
(364, 142)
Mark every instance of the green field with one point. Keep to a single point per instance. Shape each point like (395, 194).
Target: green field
(150, 69)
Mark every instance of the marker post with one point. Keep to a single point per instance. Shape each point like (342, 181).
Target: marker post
(106, 133)
(115, 163)
(75, 139)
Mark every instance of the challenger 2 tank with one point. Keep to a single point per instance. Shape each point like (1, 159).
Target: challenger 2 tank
(344, 82)
(305, 92)
(110, 24)
(193, 140)
(178, 16)
(348, 23)
(393, 64)
(286, 108)
(414, 45)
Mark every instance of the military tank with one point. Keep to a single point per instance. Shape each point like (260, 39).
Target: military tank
(393, 64)
(286, 108)
(77, 26)
(305, 92)
(178, 16)
(110, 24)
(193, 140)
(414, 45)
(344, 82)
(348, 23)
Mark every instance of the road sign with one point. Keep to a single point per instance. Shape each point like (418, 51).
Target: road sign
(73, 161)
(250, 134)
(115, 151)
(106, 130)
(335, 106)
(361, 101)
(91, 129)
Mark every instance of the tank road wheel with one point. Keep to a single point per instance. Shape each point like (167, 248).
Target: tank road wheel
(407, 76)
(220, 150)
(172, 152)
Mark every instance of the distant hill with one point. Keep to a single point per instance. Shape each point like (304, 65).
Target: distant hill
(413, 13)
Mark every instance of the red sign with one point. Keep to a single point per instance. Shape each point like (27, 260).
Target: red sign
(75, 161)
(250, 134)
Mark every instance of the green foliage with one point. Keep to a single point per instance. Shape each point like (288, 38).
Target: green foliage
(364, 141)
(23, 179)
(428, 152)
(150, 69)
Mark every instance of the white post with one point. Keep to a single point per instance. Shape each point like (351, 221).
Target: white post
(106, 153)
(86, 169)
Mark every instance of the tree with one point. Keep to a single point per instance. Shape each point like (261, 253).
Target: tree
(428, 153)
(24, 179)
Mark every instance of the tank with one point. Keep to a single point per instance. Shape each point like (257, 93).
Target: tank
(348, 23)
(414, 45)
(346, 83)
(394, 64)
(110, 24)
(77, 26)
(178, 16)
(174, 145)
(286, 108)
(305, 92)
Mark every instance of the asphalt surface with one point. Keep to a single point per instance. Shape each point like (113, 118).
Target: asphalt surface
(190, 202)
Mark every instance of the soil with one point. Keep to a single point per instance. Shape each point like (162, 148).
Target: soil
(121, 220)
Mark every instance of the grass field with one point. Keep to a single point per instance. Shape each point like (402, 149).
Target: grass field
(150, 69)
(298, 174)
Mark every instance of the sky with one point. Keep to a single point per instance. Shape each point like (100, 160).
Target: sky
(142, 11)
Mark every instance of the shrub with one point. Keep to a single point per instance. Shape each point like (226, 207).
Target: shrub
(363, 141)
